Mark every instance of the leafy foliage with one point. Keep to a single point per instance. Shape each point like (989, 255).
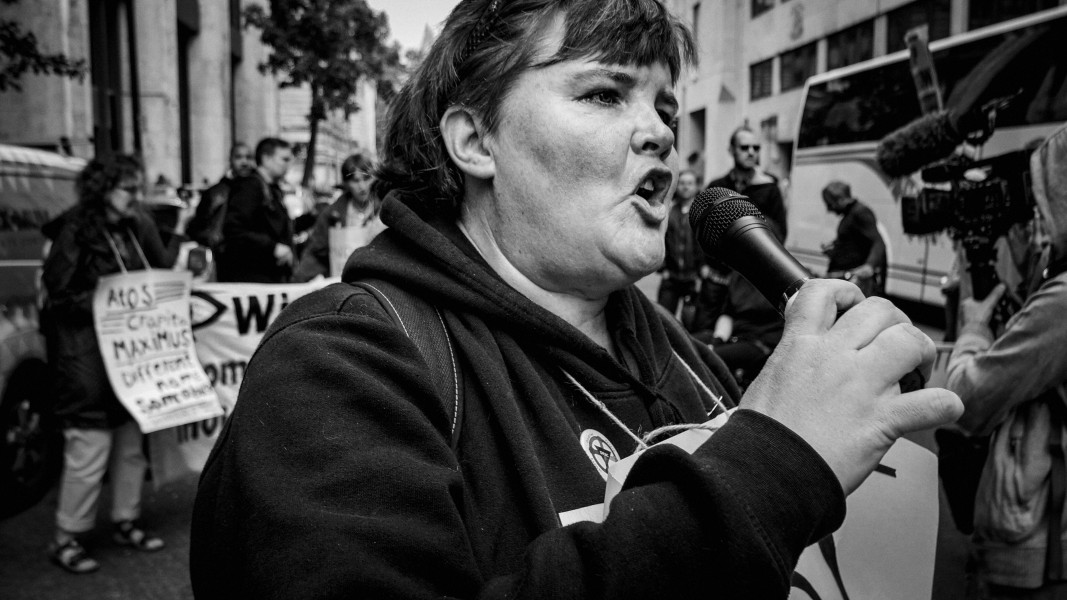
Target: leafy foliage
(19, 54)
(328, 44)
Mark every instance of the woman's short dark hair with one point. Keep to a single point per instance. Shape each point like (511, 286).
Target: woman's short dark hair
(484, 47)
(102, 175)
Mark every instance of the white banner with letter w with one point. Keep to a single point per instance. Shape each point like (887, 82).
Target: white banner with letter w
(229, 320)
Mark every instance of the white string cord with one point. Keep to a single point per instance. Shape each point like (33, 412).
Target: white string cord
(717, 399)
(644, 442)
(604, 409)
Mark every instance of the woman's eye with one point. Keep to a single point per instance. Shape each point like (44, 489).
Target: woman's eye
(668, 118)
(608, 97)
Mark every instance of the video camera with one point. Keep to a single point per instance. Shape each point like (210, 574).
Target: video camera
(975, 202)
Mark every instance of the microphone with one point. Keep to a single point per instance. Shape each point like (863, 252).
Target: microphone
(728, 227)
(925, 140)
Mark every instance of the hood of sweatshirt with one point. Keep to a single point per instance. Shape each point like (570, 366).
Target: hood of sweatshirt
(1048, 170)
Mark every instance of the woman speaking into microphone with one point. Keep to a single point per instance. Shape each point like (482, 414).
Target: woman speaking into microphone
(529, 163)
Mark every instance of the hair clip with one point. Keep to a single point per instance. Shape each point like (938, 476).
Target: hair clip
(479, 33)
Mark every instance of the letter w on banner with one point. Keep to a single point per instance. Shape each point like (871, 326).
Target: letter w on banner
(142, 325)
(228, 320)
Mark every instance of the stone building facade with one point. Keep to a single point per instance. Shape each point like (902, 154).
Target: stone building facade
(176, 81)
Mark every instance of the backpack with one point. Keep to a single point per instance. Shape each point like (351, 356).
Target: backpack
(424, 324)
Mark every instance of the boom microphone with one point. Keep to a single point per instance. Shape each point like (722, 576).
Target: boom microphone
(728, 227)
(925, 140)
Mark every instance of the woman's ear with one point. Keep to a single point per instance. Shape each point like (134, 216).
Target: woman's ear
(465, 141)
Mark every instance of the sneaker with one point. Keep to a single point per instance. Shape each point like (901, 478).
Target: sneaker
(127, 533)
(72, 557)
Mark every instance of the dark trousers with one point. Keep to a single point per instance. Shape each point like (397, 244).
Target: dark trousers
(673, 290)
(744, 358)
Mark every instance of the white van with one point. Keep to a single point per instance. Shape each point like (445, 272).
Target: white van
(35, 187)
(846, 112)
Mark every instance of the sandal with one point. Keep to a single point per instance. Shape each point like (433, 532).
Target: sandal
(72, 557)
(129, 534)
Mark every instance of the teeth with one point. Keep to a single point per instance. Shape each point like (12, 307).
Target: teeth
(648, 186)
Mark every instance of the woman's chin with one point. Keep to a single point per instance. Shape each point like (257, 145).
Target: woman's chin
(639, 267)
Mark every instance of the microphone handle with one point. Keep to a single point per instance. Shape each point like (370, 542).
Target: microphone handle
(780, 285)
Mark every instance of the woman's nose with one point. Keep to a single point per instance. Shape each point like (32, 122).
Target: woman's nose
(652, 135)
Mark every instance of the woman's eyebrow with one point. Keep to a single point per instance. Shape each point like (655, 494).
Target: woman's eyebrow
(620, 77)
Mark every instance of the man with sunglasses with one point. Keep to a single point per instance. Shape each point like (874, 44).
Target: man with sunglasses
(746, 177)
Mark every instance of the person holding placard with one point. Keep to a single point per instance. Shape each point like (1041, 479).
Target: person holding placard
(349, 223)
(106, 232)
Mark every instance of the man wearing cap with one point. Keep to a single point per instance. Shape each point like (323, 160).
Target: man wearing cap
(351, 221)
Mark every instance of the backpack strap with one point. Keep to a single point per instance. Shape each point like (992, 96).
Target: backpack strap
(424, 324)
(1057, 489)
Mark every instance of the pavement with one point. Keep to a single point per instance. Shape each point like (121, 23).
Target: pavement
(26, 573)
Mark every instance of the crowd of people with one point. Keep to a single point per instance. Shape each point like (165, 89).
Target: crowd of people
(242, 219)
(528, 181)
(718, 306)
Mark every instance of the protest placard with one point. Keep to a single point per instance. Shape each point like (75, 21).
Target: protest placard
(143, 328)
(228, 321)
(346, 240)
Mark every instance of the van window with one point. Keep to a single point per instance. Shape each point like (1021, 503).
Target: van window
(35, 187)
(868, 105)
(861, 107)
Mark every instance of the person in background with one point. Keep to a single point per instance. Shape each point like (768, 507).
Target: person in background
(1013, 386)
(744, 331)
(529, 163)
(858, 251)
(352, 219)
(107, 232)
(695, 163)
(257, 234)
(746, 177)
(683, 265)
(206, 226)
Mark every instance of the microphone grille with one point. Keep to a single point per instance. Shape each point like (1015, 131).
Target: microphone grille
(715, 209)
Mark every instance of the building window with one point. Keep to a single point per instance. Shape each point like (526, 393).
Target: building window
(982, 12)
(761, 6)
(932, 13)
(761, 77)
(849, 46)
(797, 65)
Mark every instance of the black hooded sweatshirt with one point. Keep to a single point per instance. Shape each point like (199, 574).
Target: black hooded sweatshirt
(335, 478)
